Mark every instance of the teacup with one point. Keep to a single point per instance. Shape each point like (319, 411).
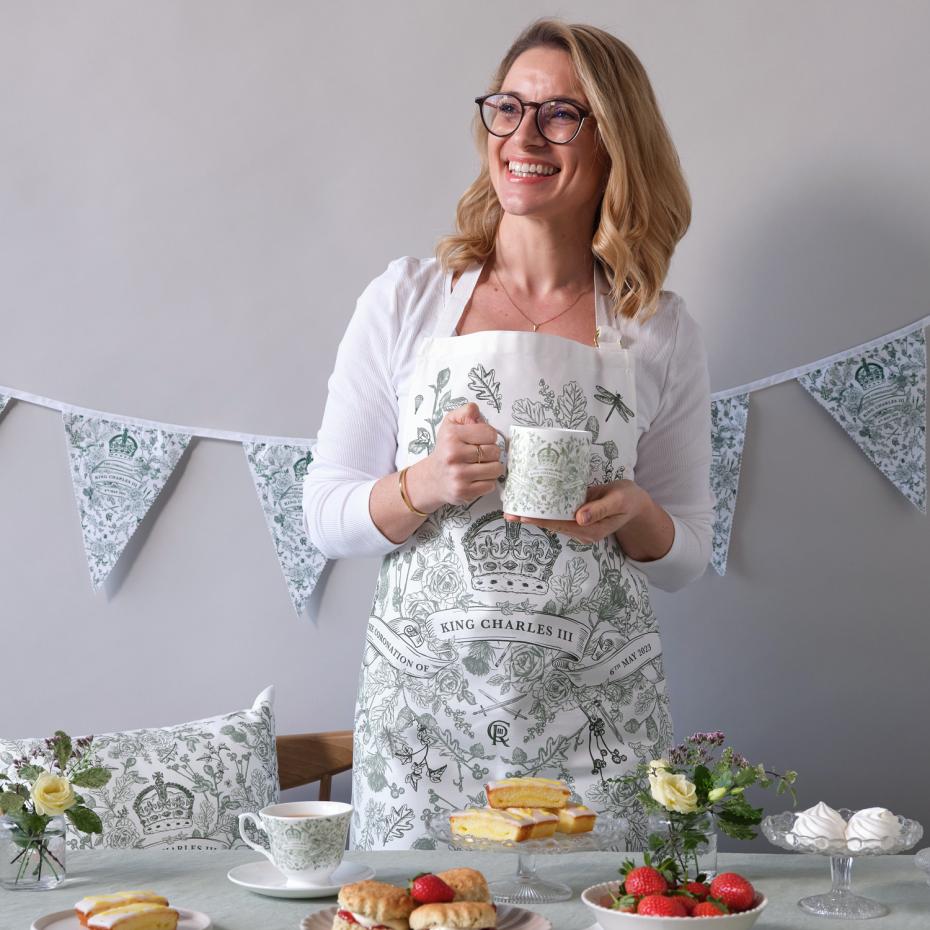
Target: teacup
(547, 472)
(307, 838)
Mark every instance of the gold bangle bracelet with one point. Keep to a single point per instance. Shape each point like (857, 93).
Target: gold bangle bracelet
(402, 483)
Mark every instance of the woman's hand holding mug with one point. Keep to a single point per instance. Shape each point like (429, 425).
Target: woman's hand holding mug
(464, 465)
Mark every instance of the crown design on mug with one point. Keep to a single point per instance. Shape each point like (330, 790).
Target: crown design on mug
(881, 400)
(164, 806)
(510, 557)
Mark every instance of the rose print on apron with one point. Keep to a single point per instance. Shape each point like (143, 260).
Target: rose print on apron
(494, 648)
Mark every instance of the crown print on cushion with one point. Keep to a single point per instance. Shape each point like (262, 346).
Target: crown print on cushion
(164, 806)
(511, 557)
(881, 399)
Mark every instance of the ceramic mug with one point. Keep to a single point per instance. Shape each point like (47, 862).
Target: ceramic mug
(307, 838)
(547, 472)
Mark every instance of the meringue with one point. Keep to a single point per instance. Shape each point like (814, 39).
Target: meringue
(820, 822)
(872, 824)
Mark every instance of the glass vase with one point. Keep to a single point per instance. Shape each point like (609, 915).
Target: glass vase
(32, 861)
(689, 839)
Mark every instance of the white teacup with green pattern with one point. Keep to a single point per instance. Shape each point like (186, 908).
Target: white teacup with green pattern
(547, 472)
(307, 838)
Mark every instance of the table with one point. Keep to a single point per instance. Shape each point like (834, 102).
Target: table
(198, 881)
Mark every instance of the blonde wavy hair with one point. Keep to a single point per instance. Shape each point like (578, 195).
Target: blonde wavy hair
(646, 207)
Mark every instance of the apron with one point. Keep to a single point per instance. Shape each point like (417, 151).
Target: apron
(497, 649)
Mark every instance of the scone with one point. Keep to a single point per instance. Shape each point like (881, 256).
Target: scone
(460, 915)
(544, 822)
(468, 884)
(527, 792)
(374, 905)
(575, 819)
(95, 904)
(138, 916)
(490, 824)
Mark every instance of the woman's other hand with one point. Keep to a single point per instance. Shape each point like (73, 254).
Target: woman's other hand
(456, 472)
(620, 507)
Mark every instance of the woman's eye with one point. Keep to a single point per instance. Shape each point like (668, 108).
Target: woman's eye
(570, 115)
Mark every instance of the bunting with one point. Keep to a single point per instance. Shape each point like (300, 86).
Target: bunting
(119, 465)
(117, 472)
(278, 470)
(880, 399)
(729, 417)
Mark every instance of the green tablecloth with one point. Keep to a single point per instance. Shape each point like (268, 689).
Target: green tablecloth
(198, 881)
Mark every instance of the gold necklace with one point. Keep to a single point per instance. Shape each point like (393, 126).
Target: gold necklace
(528, 318)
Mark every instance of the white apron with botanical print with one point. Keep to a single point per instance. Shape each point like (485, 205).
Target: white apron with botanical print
(497, 649)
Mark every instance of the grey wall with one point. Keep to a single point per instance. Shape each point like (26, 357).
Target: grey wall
(192, 196)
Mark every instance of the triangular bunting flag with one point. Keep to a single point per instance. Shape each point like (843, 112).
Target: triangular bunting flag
(880, 398)
(117, 471)
(278, 471)
(729, 417)
(4, 400)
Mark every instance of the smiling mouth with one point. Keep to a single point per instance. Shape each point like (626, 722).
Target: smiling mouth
(530, 169)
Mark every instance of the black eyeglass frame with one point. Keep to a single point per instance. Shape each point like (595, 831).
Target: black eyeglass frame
(585, 114)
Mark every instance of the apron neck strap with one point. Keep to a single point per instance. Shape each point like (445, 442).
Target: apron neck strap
(454, 304)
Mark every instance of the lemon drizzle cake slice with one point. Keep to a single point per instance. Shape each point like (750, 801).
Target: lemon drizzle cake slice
(138, 916)
(545, 823)
(96, 904)
(490, 824)
(527, 792)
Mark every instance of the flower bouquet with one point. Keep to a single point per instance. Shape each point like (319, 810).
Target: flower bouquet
(34, 804)
(699, 787)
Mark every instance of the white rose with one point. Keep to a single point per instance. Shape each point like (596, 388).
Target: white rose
(673, 792)
(52, 794)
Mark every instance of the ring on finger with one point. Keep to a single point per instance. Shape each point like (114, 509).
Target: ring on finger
(480, 458)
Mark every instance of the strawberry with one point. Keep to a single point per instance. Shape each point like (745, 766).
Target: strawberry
(645, 880)
(427, 888)
(687, 902)
(700, 890)
(657, 905)
(734, 890)
(625, 904)
(708, 909)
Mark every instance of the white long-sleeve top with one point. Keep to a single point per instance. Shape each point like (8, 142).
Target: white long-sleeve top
(357, 441)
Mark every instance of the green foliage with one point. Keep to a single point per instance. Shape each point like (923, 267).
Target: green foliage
(31, 772)
(95, 777)
(84, 820)
(61, 748)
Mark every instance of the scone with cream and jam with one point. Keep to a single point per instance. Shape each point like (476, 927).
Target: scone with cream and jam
(459, 915)
(373, 905)
(467, 884)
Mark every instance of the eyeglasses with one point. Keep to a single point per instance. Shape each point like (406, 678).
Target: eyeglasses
(558, 121)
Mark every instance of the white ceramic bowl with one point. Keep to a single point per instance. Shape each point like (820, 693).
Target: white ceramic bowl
(610, 919)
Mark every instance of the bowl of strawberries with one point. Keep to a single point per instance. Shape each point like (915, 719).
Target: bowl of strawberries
(656, 899)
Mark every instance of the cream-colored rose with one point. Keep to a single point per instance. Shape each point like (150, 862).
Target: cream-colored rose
(52, 794)
(673, 792)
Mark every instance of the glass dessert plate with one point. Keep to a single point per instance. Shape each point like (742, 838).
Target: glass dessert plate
(840, 900)
(526, 886)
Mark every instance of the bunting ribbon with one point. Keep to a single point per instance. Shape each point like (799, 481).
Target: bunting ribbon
(119, 465)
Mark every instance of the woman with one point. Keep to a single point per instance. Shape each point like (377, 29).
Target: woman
(545, 308)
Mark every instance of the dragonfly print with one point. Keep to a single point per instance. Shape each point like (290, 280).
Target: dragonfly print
(615, 402)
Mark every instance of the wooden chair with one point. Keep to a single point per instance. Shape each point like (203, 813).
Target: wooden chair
(304, 758)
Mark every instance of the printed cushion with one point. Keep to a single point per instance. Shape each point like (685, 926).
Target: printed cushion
(180, 787)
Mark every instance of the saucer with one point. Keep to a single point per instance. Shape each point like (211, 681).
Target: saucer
(68, 920)
(263, 878)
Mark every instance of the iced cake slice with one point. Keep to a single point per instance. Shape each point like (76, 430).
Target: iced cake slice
(527, 792)
(490, 824)
(139, 916)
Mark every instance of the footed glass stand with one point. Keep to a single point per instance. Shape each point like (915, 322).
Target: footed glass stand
(527, 886)
(840, 901)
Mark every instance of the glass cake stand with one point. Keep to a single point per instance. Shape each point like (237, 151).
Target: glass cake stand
(526, 886)
(840, 900)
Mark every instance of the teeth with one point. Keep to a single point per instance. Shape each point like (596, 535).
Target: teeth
(522, 168)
